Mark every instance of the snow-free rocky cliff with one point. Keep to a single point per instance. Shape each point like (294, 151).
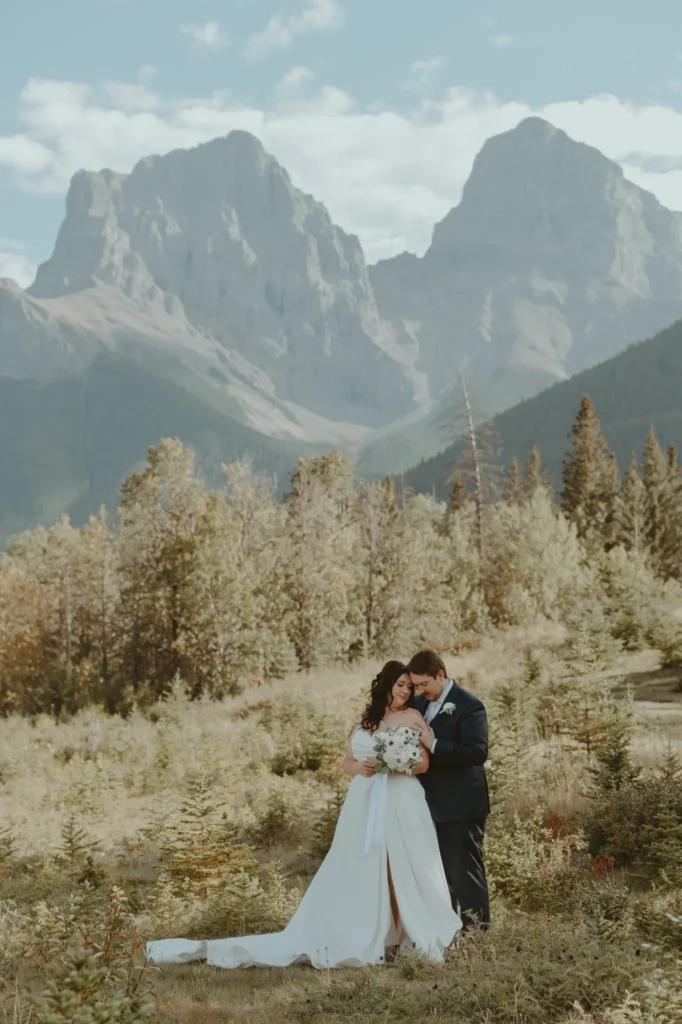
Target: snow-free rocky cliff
(551, 263)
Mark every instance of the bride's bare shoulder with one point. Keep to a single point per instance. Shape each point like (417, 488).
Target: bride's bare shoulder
(412, 717)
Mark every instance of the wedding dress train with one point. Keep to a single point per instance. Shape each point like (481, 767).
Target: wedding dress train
(345, 917)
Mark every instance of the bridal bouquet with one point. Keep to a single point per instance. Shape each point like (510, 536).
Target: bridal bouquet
(397, 750)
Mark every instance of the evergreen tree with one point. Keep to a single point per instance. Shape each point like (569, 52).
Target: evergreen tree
(512, 484)
(586, 471)
(203, 848)
(655, 478)
(535, 477)
(630, 510)
(586, 693)
(670, 770)
(672, 562)
(458, 495)
(513, 732)
(609, 502)
(663, 844)
(325, 826)
(614, 768)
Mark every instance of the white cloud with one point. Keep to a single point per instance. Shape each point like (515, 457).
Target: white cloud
(501, 41)
(14, 264)
(147, 73)
(24, 154)
(422, 73)
(294, 80)
(385, 175)
(281, 30)
(208, 36)
(130, 96)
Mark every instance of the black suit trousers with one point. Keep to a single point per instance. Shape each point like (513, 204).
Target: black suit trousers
(461, 850)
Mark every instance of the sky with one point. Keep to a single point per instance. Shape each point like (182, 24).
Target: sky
(376, 107)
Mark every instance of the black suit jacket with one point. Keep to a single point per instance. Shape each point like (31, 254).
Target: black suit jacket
(455, 785)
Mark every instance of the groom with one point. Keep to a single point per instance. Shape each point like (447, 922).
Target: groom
(456, 734)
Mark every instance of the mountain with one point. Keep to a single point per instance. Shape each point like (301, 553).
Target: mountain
(551, 263)
(69, 442)
(239, 316)
(203, 295)
(212, 254)
(632, 391)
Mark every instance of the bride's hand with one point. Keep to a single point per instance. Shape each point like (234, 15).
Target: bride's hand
(367, 767)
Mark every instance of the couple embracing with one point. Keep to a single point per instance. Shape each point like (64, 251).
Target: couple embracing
(407, 857)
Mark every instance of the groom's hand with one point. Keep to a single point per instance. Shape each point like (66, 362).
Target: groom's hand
(428, 736)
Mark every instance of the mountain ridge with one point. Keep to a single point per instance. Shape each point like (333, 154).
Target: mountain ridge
(209, 272)
(632, 391)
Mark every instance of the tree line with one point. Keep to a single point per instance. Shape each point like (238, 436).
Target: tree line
(221, 586)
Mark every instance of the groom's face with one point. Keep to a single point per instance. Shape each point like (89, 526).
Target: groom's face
(428, 686)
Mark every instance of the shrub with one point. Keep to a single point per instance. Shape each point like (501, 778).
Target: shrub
(622, 822)
(280, 819)
(305, 740)
(526, 969)
(325, 826)
(202, 847)
(531, 863)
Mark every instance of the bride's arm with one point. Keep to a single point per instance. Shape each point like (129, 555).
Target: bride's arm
(351, 765)
(415, 721)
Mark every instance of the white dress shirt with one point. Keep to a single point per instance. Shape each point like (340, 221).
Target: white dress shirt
(435, 705)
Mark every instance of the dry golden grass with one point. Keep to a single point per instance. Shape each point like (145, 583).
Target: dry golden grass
(118, 777)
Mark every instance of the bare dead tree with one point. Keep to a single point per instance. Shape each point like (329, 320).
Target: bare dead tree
(476, 462)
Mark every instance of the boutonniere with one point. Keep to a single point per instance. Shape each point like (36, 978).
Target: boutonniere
(448, 709)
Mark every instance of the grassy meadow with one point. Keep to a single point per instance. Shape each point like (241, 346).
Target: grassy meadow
(207, 818)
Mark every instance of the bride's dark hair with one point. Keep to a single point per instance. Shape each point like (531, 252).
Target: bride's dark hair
(380, 695)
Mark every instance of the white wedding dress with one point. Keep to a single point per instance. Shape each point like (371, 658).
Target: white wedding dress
(345, 917)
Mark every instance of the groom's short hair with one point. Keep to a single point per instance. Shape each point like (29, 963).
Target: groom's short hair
(427, 663)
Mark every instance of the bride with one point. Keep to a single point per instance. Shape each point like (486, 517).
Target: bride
(382, 884)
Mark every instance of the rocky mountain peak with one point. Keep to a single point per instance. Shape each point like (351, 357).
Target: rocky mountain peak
(220, 237)
(534, 190)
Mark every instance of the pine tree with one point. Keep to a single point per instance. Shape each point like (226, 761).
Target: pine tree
(586, 470)
(663, 844)
(325, 826)
(656, 511)
(609, 502)
(630, 510)
(614, 768)
(672, 559)
(75, 843)
(670, 770)
(513, 733)
(512, 484)
(535, 477)
(587, 696)
(85, 986)
(202, 847)
(459, 498)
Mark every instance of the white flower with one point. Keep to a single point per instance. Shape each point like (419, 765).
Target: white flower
(448, 708)
(397, 749)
